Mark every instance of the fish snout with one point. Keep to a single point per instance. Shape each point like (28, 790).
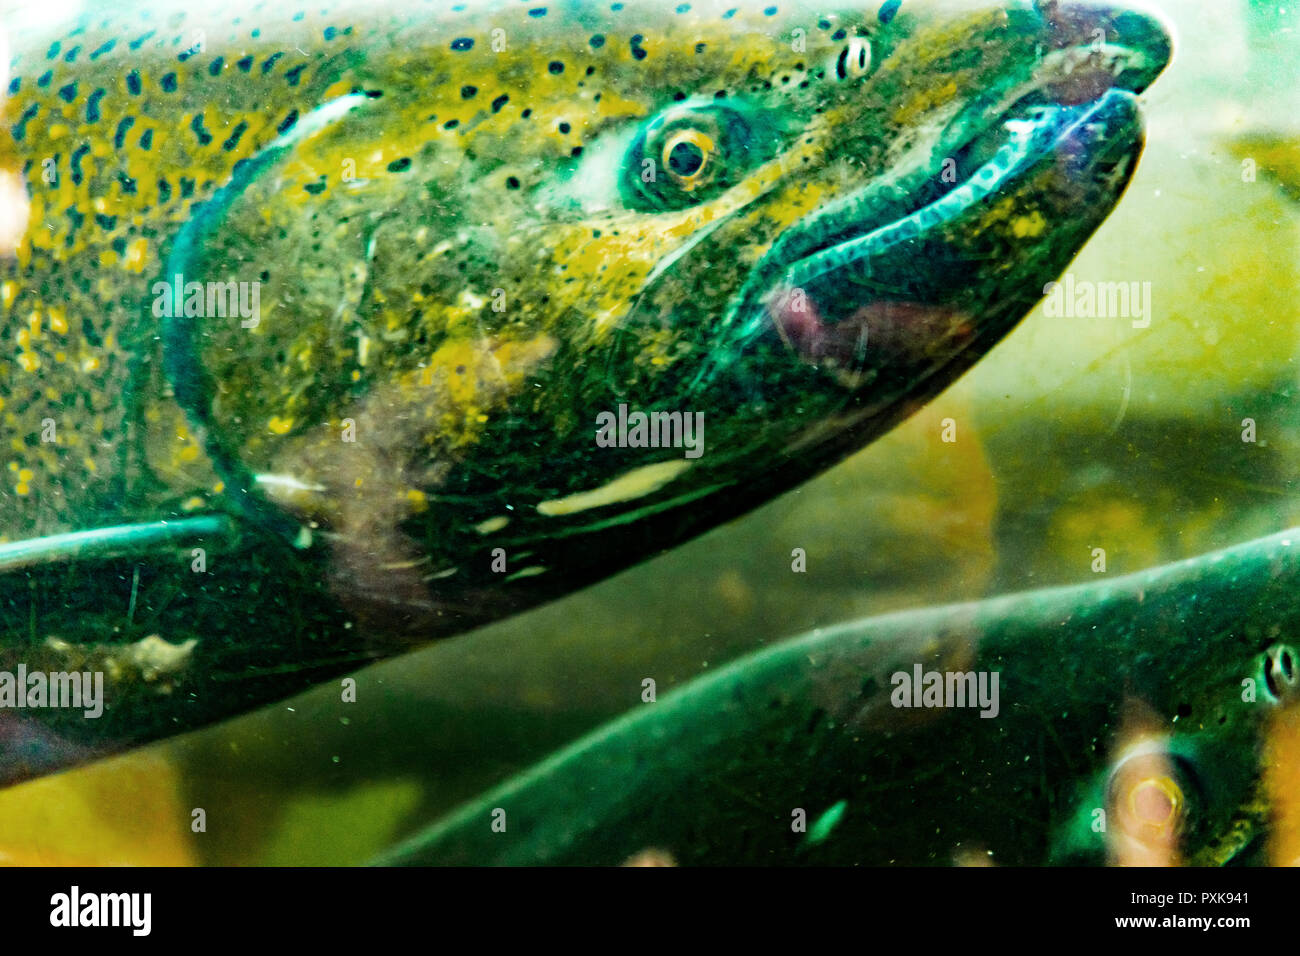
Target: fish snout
(1138, 41)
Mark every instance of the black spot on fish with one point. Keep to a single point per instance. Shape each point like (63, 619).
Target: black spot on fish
(245, 64)
(294, 75)
(499, 102)
(468, 92)
(88, 331)
(888, 9)
(700, 47)
(92, 105)
(461, 44)
(683, 8)
(216, 66)
(20, 129)
(537, 12)
(815, 720)
(235, 136)
(107, 223)
(55, 47)
(146, 141)
(576, 152)
(839, 34)
(769, 11)
(564, 128)
(141, 41)
(164, 190)
(400, 165)
(44, 79)
(75, 163)
(598, 40)
(297, 17)
(128, 184)
(287, 123)
(187, 187)
(203, 135)
(637, 52)
(269, 63)
(331, 33)
(451, 124)
(555, 66)
(527, 113)
(316, 188)
(133, 83)
(102, 49)
(729, 14)
(119, 245)
(823, 24)
(77, 218)
(68, 93)
(169, 83)
(15, 84)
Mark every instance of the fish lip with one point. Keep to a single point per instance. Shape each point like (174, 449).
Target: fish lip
(1057, 79)
(1140, 30)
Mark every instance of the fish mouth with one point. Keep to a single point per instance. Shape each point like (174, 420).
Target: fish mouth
(868, 271)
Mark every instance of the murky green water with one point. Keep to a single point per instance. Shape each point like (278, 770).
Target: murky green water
(1074, 434)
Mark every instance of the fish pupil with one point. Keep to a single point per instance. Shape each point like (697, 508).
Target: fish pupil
(686, 159)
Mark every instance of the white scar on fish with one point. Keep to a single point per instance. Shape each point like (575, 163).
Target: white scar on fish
(634, 484)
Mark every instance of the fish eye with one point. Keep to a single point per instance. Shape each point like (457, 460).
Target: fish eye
(1151, 793)
(854, 59)
(688, 157)
(1280, 673)
(693, 152)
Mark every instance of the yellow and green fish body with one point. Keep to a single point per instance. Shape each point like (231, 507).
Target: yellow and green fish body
(399, 318)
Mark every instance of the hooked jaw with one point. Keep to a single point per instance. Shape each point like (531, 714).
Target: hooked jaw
(894, 275)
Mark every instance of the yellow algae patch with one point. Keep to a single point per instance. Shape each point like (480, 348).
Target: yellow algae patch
(1031, 225)
(469, 377)
(627, 487)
